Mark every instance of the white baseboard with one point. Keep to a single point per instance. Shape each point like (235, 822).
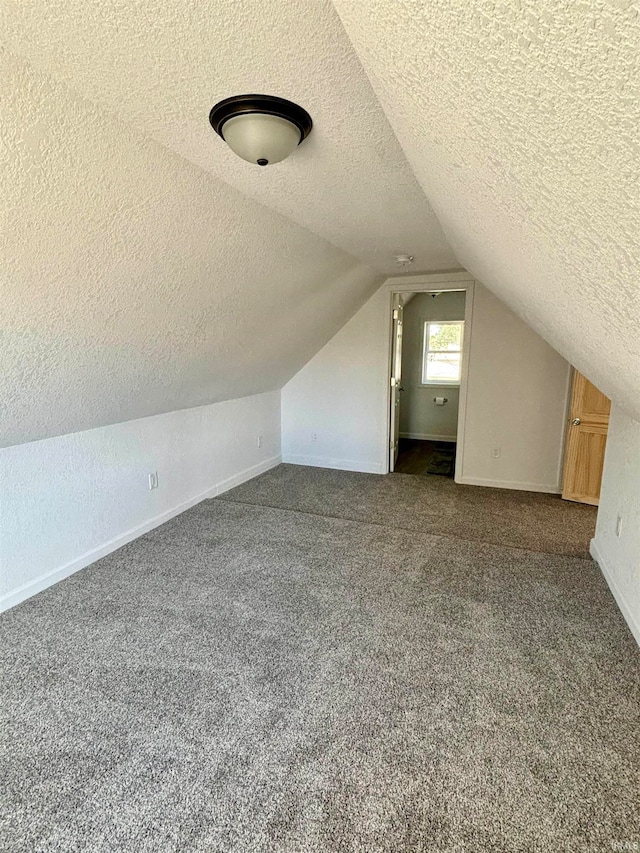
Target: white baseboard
(624, 608)
(41, 583)
(428, 436)
(246, 474)
(510, 484)
(339, 464)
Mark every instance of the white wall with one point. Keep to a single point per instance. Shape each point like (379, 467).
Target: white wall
(340, 396)
(619, 557)
(67, 501)
(419, 415)
(518, 402)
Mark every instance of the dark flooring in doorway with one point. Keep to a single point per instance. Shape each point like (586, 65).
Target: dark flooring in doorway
(284, 669)
(416, 456)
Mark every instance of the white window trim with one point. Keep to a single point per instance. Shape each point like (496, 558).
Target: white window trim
(440, 383)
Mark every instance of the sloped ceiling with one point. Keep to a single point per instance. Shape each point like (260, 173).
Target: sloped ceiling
(521, 122)
(134, 283)
(148, 269)
(162, 65)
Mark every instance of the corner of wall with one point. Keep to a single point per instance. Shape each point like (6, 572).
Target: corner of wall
(616, 545)
(609, 572)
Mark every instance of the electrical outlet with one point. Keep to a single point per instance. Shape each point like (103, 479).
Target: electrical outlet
(495, 453)
(259, 440)
(153, 480)
(314, 436)
(619, 526)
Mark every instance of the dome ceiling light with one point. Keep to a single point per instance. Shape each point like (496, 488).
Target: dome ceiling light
(261, 129)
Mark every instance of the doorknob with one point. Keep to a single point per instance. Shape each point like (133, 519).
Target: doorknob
(576, 421)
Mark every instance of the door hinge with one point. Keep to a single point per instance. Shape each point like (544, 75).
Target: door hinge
(396, 313)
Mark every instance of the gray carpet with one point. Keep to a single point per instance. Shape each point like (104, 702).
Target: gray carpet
(249, 678)
(428, 504)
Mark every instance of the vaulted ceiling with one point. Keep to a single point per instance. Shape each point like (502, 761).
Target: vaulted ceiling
(521, 121)
(148, 268)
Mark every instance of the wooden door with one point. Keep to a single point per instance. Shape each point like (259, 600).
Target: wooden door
(586, 441)
(396, 378)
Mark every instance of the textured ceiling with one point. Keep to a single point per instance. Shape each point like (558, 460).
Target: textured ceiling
(162, 65)
(133, 283)
(521, 121)
(148, 269)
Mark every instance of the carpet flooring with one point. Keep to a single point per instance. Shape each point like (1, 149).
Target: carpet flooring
(255, 678)
(428, 504)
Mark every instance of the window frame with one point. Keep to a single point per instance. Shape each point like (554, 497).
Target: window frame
(444, 383)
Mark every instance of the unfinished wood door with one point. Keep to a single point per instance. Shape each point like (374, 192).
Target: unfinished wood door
(586, 441)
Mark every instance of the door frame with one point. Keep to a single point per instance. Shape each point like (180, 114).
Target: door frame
(442, 282)
(394, 388)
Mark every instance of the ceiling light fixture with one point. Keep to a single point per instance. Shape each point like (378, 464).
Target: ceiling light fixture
(404, 260)
(261, 129)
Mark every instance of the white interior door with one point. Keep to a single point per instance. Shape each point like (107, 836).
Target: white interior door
(396, 378)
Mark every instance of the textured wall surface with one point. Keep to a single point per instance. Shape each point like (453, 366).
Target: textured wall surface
(521, 121)
(134, 283)
(162, 65)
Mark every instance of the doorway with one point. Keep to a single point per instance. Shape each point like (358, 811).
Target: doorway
(429, 333)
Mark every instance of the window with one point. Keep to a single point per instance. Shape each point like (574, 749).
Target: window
(442, 352)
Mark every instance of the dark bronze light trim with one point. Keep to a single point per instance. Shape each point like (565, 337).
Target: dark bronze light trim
(245, 104)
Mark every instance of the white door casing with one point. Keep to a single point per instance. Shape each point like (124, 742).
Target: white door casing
(396, 379)
(425, 283)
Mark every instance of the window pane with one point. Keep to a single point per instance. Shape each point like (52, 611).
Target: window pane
(447, 336)
(442, 367)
